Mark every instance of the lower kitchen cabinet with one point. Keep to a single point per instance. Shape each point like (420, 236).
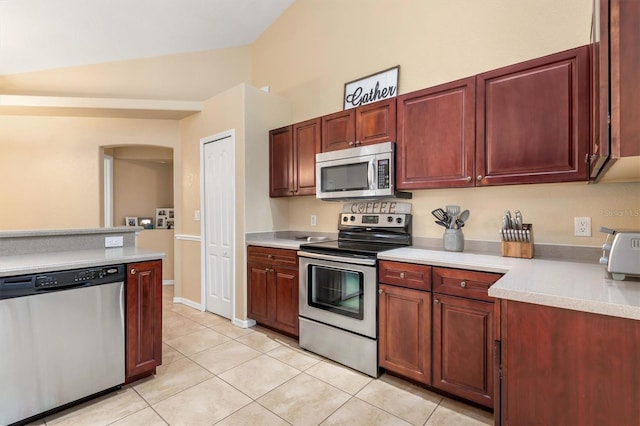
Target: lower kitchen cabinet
(273, 284)
(462, 347)
(144, 319)
(404, 323)
(565, 367)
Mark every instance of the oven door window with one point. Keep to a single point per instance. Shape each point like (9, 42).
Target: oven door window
(337, 290)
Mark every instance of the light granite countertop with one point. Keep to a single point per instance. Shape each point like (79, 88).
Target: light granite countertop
(285, 239)
(577, 286)
(62, 260)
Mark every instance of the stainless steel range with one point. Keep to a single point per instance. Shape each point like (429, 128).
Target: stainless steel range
(338, 288)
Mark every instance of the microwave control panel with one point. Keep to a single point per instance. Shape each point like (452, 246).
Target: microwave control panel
(383, 174)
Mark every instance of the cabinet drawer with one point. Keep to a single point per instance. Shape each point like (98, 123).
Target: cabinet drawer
(460, 282)
(272, 256)
(405, 275)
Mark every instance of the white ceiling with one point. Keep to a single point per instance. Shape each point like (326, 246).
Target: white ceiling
(44, 34)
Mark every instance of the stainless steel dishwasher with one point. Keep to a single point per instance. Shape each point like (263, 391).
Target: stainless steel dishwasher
(62, 339)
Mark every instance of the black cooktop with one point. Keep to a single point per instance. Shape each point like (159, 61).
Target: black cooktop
(349, 247)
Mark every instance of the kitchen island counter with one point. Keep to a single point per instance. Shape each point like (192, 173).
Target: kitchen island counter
(571, 285)
(35, 263)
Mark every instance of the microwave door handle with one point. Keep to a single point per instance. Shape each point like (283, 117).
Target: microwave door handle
(372, 174)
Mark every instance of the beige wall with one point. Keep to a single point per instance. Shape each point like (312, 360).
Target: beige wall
(51, 167)
(251, 112)
(434, 42)
(318, 45)
(159, 240)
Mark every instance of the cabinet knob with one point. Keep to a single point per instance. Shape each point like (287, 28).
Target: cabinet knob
(380, 291)
(479, 178)
(266, 269)
(468, 179)
(270, 256)
(357, 143)
(402, 275)
(351, 143)
(436, 301)
(133, 271)
(463, 284)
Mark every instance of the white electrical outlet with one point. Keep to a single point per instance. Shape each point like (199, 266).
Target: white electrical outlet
(113, 241)
(582, 226)
(314, 220)
(196, 215)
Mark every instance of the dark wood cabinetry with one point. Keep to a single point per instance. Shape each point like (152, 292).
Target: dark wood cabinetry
(436, 136)
(144, 319)
(404, 319)
(463, 334)
(404, 322)
(532, 121)
(292, 159)
(368, 124)
(463, 347)
(272, 294)
(615, 83)
(568, 367)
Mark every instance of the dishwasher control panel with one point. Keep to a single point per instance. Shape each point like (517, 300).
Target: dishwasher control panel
(25, 285)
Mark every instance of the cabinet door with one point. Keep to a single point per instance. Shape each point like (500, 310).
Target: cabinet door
(533, 121)
(600, 147)
(566, 367)
(338, 130)
(625, 78)
(436, 136)
(144, 319)
(258, 300)
(306, 144)
(281, 170)
(405, 331)
(463, 348)
(376, 122)
(285, 300)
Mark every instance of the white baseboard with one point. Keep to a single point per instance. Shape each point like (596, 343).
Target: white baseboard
(188, 302)
(168, 282)
(244, 323)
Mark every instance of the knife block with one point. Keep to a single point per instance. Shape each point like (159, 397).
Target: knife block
(519, 248)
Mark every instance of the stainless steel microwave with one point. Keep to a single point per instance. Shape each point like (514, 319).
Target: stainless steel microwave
(354, 173)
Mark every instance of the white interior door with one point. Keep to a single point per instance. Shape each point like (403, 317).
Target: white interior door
(218, 204)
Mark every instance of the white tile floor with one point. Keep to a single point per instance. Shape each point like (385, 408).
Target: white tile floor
(214, 373)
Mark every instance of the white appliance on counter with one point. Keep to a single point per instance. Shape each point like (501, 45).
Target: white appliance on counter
(62, 339)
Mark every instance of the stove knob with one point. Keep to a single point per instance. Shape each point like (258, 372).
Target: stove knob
(389, 219)
(399, 220)
(352, 218)
(345, 219)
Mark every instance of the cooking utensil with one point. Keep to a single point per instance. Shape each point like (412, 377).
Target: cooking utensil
(441, 223)
(439, 214)
(453, 210)
(464, 216)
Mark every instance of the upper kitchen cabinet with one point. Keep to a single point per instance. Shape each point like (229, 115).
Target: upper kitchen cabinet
(292, 151)
(364, 125)
(615, 84)
(533, 121)
(436, 136)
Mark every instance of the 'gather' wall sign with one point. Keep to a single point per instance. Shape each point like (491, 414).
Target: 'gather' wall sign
(372, 88)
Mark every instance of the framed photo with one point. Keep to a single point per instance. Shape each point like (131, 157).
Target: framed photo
(145, 222)
(131, 221)
(164, 217)
(372, 88)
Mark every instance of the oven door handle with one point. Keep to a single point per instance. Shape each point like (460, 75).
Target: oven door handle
(342, 259)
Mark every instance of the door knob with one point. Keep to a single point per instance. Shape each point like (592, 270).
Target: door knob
(133, 271)
(463, 284)
(380, 291)
(436, 301)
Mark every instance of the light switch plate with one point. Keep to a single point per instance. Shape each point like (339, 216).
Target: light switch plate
(113, 241)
